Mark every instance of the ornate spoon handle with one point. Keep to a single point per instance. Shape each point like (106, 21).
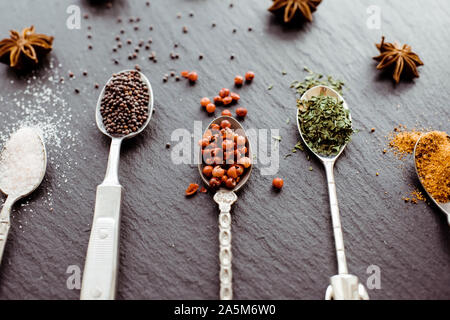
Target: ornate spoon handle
(225, 199)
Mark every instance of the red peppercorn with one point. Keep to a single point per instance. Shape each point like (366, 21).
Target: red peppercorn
(235, 96)
(215, 126)
(240, 141)
(214, 182)
(184, 73)
(204, 101)
(227, 100)
(192, 189)
(226, 112)
(239, 169)
(218, 172)
(224, 92)
(245, 161)
(230, 183)
(192, 76)
(217, 100)
(241, 112)
(232, 172)
(204, 142)
(225, 124)
(277, 183)
(210, 107)
(249, 76)
(238, 81)
(207, 171)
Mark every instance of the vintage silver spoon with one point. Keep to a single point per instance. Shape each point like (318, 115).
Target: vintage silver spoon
(344, 286)
(21, 188)
(101, 266)
(445, 207)
(225, 198)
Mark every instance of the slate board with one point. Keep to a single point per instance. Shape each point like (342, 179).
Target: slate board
(282, 242)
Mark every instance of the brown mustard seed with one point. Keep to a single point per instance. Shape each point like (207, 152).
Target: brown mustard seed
(124, 105)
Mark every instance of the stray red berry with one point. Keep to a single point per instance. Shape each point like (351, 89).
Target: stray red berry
(277, 183)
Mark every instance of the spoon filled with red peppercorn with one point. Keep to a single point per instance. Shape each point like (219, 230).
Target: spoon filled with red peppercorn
(124, 109)
(225, 166)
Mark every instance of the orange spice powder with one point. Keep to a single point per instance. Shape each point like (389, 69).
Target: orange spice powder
(433, 164)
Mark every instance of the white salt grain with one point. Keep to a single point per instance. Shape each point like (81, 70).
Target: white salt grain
(22, 162)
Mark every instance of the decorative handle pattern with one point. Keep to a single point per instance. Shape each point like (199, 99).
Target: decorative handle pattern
(225, 199)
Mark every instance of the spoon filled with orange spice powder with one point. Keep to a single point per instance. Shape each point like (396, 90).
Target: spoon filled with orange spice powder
(432, 162)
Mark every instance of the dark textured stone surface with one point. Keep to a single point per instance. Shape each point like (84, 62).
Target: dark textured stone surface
(282, 242)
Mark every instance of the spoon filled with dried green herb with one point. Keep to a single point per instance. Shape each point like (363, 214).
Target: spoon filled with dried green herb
(325, 126)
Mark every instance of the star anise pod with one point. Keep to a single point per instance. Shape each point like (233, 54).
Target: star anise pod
(399, 57)
(291, 7)
(22, 49)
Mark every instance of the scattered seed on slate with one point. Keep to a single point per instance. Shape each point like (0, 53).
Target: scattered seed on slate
(96, 86)
(213, 24)
(136, 28)
(71, 74)
(147, 3)
(250, 29)
(150, 40)
(90, 47)
(129, 41)
(119, 45)
(200, 57)
(191, 14)
(122, 31)
(116, 61)
(85, 73)
(150, 28)
(177, 78)
(137, 67)
(172, 73)
(114, 49)
(86, 16)
(178, 15)
(167, 145)
(138, 19)
(89, 36)
(119, 20)
(77, 91)
(124, 105)
(234, 30)
(89, 27)
(232, 57)
(185, 29)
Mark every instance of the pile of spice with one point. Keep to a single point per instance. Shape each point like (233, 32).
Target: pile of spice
(124, 105)
(22, 162)
(325, 124)
(227, 98)
(402, 141)
(433, 164)
(225, 155)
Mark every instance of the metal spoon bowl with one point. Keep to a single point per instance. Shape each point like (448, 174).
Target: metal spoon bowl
(99, 118)
(445, 207)
(225, 198)
(14, 197)
(316, 91)
(237, 127)
(101, 266)
(344, 286)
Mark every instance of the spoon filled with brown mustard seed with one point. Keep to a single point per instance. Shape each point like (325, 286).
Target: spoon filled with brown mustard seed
(123, 110)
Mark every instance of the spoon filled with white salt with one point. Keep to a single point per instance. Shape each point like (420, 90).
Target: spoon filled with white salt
(23, 162)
